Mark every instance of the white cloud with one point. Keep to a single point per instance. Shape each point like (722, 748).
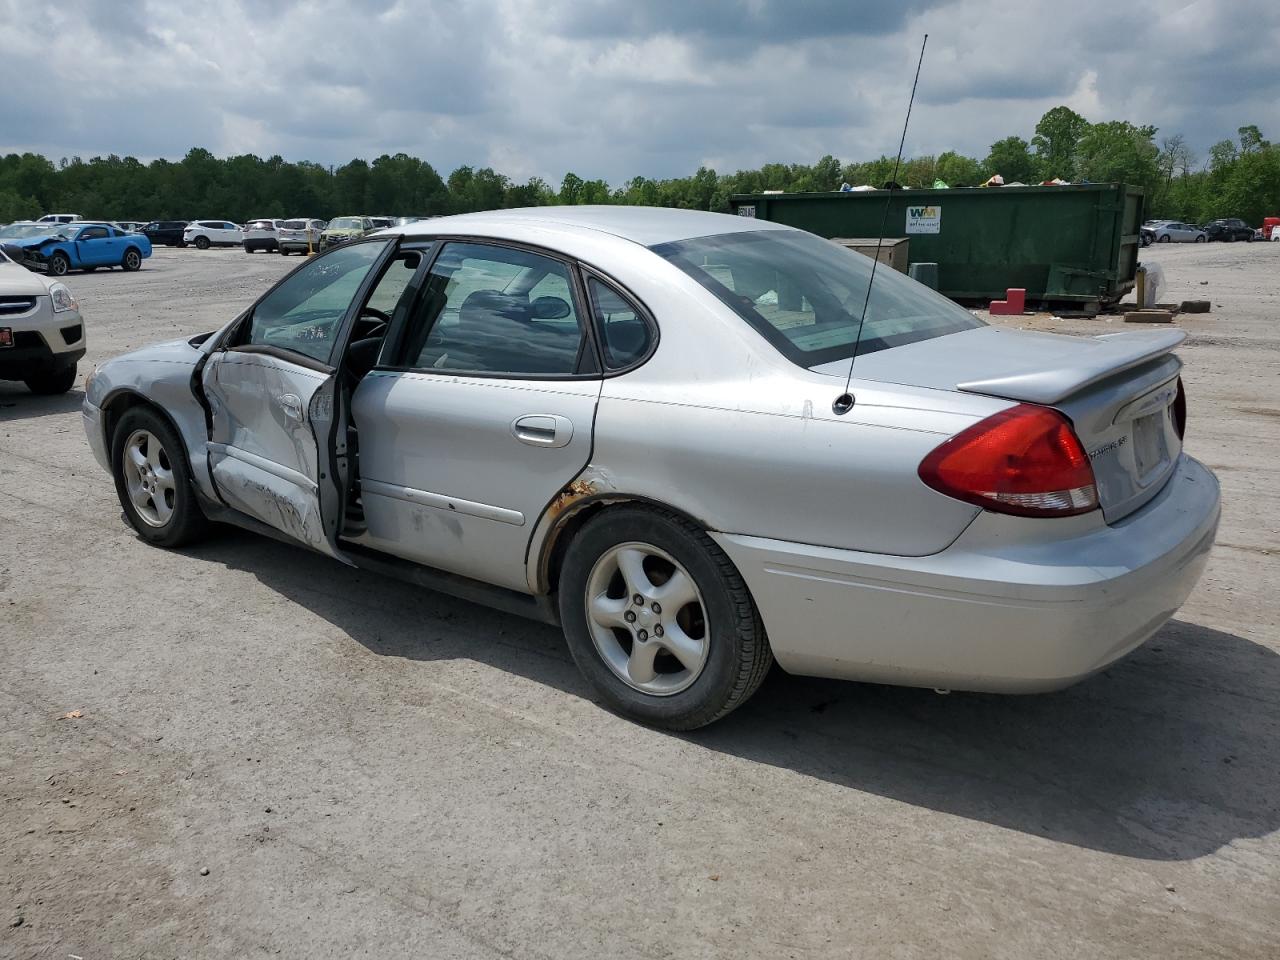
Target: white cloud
(616, 88)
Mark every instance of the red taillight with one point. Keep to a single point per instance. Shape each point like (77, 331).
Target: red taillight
(1025, 460)
(1180, 411)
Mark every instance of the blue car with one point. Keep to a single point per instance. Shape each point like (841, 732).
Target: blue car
(81, 246)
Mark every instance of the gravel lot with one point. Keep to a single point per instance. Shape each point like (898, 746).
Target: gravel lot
(368, 769)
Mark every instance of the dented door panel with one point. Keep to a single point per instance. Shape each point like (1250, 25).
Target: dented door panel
(263, 453)
(455, 471)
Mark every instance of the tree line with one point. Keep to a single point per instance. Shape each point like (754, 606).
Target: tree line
(1239, 177)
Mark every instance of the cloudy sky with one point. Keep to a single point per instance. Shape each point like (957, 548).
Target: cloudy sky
(615, 88)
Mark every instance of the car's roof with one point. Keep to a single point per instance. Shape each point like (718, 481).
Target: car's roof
(644, 225)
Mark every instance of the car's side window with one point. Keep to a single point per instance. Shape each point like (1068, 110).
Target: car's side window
(302, 314)
(496, 310)
(623, 333)
(93, 233)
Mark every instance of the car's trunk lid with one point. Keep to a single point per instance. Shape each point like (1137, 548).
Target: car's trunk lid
(1118, 391)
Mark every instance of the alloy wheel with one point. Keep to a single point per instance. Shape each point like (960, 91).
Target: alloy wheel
(148, 478)
(647, 619)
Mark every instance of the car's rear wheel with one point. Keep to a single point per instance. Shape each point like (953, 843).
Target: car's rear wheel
(58, 380)
(132, 260)
(202, 243)
(59, 265)
(1164, 239)
(153, 480)
(659, 621)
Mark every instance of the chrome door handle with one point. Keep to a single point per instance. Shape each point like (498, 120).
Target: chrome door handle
(291, 404)
(543, 430)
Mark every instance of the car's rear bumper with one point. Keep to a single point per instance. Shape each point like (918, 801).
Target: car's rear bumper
(1000, 610)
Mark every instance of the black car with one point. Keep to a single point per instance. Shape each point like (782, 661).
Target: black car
(168, 232)
(1229, 230)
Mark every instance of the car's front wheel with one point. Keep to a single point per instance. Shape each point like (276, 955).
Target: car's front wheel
(1200, 239)
(153, 480)
(59, 265)
(659, 621)
(56, 381)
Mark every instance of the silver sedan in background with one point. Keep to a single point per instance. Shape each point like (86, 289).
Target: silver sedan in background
(648, 427)
(1175, 231)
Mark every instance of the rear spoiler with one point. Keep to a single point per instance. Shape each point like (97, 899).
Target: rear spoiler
(1122, 351)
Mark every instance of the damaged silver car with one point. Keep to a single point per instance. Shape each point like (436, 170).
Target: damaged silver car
(634, 423)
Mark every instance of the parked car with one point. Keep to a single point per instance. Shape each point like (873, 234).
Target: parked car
(1175, 231)
(129, 226)
(261, 235)
(344, 229)
(634, 423)
(60, 218)
(1146, 235)
(212, 233)
(41, 331)
(82, 245)
(1229, 230)
(300, 235)
(381, 223)
(20, 229)
(405, 221)
(167, 232)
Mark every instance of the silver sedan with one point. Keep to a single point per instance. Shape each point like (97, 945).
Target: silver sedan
(648, 427)
(1175, 231)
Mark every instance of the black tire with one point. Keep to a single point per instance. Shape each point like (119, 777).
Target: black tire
(1200, 239)
(180, 244)
(202, 243)
(1164, 239)
(738, 657)
(132, 260)
(186, 523)
(56, 381)
(59, 265)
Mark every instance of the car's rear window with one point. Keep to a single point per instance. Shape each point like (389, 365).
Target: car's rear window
(294, 225)
(805, 295)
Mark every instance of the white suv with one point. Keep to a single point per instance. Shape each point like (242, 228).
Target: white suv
(60, 218)
(212, 233)
(261, 235)
(300, 235)
(41, 330)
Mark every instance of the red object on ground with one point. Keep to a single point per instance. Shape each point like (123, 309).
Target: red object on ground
(1013, 304)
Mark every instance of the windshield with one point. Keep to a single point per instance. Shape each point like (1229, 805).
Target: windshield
(805, 295)
(346, 223)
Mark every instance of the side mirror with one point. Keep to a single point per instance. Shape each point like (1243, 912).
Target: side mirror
(549, 308)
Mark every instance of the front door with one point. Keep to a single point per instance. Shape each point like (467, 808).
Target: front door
(480, 412)
(270, 387)
(93, 246)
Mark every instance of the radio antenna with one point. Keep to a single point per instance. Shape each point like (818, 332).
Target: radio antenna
(844, 402)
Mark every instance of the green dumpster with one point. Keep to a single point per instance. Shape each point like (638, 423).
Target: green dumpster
(1073, 244)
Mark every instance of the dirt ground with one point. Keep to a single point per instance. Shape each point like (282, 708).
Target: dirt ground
(280, 757)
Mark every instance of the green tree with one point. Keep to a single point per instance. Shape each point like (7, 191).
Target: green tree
(1011, 158)
(1119, 151)
(957, 170)
(1057, 135)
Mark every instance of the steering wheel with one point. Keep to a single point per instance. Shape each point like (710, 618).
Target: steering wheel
(376, 321)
